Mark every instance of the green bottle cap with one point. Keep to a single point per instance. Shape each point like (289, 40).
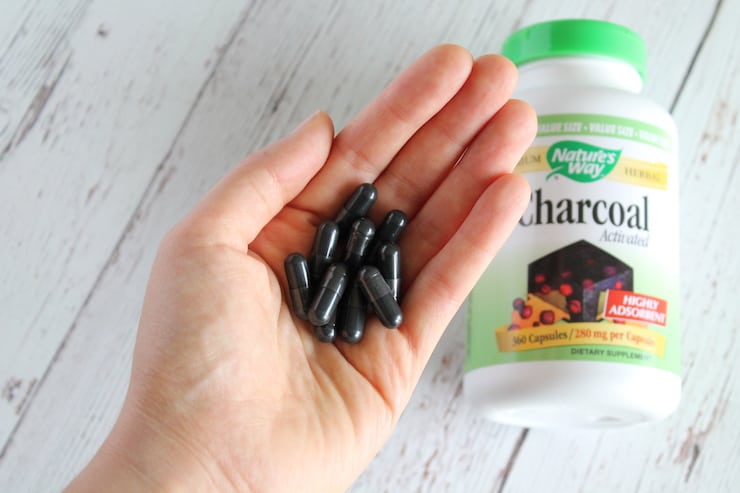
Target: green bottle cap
(573, 37)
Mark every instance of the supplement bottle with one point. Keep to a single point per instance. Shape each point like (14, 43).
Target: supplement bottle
(576, 321)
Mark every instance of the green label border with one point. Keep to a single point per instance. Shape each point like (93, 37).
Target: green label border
(633, 130)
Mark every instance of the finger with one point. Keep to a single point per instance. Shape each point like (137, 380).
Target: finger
(392, 360)
(495, 151)
(365, 147)
(441, 287)
(492, 154)
(239, 206)
(420, 166)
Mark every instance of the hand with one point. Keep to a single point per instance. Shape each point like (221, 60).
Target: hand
(230, 391)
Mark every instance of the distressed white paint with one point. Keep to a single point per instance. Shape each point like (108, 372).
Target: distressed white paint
(150, 106)
(82, 155)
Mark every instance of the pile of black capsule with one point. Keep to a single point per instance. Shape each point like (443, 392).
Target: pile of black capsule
(332, 288)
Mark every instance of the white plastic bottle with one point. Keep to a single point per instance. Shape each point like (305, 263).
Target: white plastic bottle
(576, 322)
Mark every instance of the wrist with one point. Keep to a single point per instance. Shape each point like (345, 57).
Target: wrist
(139, 456)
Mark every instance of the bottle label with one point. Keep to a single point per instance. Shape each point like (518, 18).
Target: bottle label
(591, 270)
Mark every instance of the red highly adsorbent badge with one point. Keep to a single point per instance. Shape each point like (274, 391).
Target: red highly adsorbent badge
(627, 305)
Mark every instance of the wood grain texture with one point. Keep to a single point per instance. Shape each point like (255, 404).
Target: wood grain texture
(83, 155)
(152, 103)
(35, 47)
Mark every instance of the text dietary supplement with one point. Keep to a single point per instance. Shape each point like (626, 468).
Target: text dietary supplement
(576, 321)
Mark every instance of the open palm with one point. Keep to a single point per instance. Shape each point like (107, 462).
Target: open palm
(235, 385)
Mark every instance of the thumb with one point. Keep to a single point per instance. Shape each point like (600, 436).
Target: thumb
(245, 200)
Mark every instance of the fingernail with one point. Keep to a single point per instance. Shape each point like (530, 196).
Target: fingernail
(307, 121)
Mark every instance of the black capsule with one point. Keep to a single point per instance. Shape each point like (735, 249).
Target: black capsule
(356, 206)
(361, 235)
(389, 265)
(392, 226)
(352, 314)
(379, 294)
(296, 270)
(324, 249)
(327, 332)
(389, 231)
(327, 297)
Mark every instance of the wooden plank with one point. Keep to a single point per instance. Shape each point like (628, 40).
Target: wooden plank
(34, 49)
(290, 77)
(697, 448)
(79, 165)
(337, 57)
(671, 30)
(227, 122)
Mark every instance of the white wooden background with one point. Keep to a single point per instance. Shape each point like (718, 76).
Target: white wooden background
(115, 117)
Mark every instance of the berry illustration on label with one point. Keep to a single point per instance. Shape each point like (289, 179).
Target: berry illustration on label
(581, 294)
(573, 278)
(534, 312)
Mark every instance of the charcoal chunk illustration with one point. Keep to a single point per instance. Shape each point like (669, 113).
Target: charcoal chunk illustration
(573, 277)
